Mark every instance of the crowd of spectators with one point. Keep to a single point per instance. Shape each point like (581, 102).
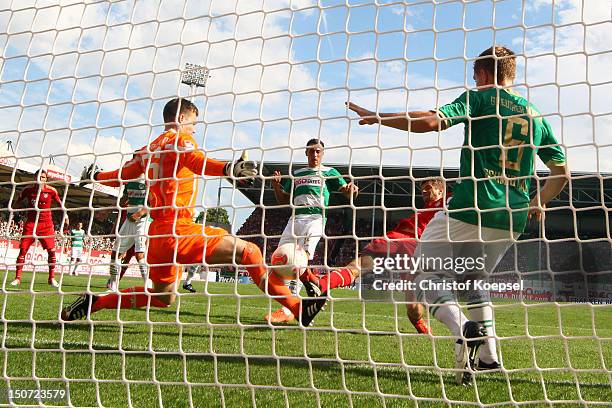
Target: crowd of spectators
(556, 257)
(9, 228)
(265, 231)
(337, 247)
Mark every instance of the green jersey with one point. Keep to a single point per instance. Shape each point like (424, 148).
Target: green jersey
(311, 187)
(76, 238)
(136, 192)
(503, 133)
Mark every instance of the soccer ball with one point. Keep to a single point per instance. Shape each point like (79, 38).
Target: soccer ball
(289, 261)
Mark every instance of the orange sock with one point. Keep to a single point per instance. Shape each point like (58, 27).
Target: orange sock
(420, 325)
(273, 285)
(130, 300)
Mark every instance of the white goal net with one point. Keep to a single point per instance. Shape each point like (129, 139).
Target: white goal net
(85, 82)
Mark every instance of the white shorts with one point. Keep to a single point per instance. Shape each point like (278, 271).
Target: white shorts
(76, 253)
(444, 230)
(305, 230)
(445, 238)
(132, 234)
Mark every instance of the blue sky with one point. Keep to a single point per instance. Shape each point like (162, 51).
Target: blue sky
(280, 72)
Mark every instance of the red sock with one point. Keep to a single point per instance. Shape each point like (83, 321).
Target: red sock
(19, 266)
(309, 276)
(274, 286)
(336, 278)
(51, 262)
(129, 301)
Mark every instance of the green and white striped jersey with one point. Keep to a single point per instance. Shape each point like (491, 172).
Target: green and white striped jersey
(136, 192)
(311, 188)
(76, 238)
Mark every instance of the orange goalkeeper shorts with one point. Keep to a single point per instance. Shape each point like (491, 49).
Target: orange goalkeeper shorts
(171, 245)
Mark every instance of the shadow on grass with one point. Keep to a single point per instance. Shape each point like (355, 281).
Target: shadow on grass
(394, 372)
(110, 331)
(424, 374)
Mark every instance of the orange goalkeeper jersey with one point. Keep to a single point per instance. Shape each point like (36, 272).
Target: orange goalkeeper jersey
(172, 164)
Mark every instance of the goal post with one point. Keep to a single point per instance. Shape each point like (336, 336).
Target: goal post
(86, 83)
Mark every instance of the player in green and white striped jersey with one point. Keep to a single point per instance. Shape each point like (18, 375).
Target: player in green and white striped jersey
(133, 232)
(491, 205)
(77, 235)
(310, 188)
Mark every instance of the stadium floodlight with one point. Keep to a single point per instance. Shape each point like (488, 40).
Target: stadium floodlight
(195, 76)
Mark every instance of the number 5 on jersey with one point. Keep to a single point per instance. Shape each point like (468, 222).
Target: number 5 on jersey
(508, 158)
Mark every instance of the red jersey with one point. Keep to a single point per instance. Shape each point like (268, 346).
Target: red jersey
(173, 165)
(41, 198)
(418, 221)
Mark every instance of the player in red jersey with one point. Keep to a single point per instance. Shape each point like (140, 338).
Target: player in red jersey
(38, 199)
(401, 240)
(173, 164)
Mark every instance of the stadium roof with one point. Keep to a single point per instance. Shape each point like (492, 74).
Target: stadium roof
(393, 186)
(397, 182)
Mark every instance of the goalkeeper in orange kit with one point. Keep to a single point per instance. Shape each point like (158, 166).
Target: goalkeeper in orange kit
(173, 164)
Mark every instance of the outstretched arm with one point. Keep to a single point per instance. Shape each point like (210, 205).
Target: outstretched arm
(130, 171)
(196, 161)
(416, 121)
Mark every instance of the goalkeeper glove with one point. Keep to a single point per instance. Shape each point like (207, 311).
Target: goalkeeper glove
(89, 174)
(242, 167)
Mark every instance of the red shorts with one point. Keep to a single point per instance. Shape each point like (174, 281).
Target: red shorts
(45, 234)
(170, 246)
(395, 243)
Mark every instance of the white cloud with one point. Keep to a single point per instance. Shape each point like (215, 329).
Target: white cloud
(584, 30)
(247, 46)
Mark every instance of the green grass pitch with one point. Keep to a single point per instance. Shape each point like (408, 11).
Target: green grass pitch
(215, 350)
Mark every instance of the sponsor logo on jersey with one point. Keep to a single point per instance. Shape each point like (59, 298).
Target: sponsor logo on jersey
(308, 181)
(188, 145)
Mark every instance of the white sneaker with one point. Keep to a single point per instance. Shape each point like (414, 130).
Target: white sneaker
(149, 284)
(16, 282)
(112, 285)
(53, 283)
